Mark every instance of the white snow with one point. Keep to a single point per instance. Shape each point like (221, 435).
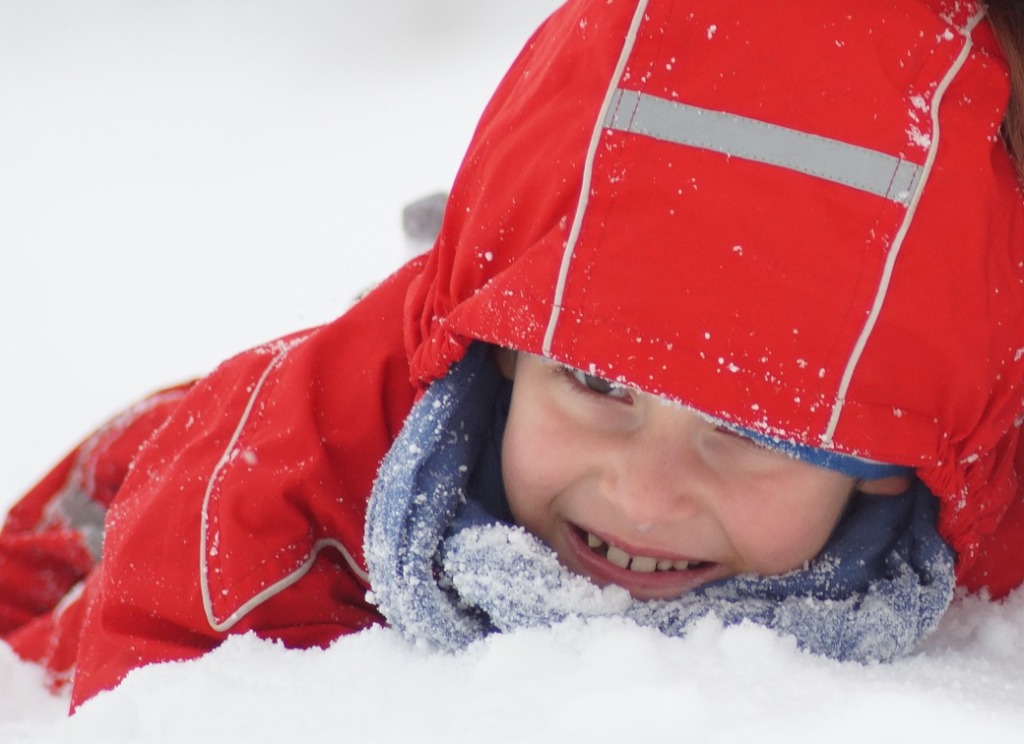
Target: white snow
(573, 683)
(181, 179)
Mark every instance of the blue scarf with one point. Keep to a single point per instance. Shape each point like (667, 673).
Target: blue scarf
(446, 570)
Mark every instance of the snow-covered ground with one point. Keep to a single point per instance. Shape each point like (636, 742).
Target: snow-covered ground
(180, 179)
(601, 683)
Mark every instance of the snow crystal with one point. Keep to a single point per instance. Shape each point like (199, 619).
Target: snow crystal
(919, 138)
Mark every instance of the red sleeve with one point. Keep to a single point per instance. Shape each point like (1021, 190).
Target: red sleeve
(246, 512)
(51, 538)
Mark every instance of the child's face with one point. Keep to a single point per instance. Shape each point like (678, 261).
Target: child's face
(631, 490)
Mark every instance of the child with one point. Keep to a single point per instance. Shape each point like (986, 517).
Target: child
(725, 315)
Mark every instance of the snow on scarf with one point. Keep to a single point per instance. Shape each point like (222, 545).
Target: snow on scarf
(445, 571)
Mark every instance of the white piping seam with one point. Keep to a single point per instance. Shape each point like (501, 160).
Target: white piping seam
(588, 174)
(278, 587)
(302, 570)
(901, 234)
(225, 458)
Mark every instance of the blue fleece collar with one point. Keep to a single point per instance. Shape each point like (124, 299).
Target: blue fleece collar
(859, 468)
(444, 570)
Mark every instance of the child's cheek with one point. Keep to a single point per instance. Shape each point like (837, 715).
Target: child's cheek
(776, 533)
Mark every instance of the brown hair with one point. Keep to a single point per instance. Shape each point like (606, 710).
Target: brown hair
(1007, 18)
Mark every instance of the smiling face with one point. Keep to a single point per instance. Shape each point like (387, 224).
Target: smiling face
(629, 489)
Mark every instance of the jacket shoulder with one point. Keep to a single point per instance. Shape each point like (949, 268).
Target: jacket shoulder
(246, 511)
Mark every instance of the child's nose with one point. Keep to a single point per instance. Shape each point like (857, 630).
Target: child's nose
(660, 476)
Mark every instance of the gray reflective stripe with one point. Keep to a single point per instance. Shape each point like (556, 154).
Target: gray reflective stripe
(73, 508)
(738, 136)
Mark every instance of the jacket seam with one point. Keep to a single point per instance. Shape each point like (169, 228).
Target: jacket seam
(282, 352)
(588, 173)
(890, 263)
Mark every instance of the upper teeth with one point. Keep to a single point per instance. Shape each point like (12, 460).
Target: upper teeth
(638, 563)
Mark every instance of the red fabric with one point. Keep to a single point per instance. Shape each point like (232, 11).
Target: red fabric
(278, 493)
(319, 410)
(741, 288)
(43, 547)
(737, 287)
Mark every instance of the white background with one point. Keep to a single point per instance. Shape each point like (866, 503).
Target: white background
(181, 179)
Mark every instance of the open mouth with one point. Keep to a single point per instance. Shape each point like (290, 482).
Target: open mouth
(638, 563)
(644, 576)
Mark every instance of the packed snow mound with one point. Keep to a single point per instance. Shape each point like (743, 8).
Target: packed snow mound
(604, 680)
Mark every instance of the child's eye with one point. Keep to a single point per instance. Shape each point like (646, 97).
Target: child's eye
(598, 385)
(742, 439)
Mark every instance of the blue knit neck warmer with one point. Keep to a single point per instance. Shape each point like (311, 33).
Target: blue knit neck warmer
(445, 571)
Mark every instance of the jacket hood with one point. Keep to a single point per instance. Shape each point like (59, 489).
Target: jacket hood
(798, 218)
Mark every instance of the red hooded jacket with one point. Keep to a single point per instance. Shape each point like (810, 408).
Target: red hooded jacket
(797, 218)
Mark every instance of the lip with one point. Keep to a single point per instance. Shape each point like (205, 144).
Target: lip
(655, 585)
